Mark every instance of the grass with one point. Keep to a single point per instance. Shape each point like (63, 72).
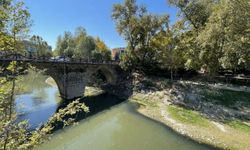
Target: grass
(237, 124)
(187, 116)
(146, 101)
(226, 97)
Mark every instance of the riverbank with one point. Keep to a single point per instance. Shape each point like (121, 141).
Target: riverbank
(213, 114)
(208, 114)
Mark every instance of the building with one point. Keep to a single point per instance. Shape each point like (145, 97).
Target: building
(116, 53)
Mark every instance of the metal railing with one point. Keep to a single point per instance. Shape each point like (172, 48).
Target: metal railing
(43, 59)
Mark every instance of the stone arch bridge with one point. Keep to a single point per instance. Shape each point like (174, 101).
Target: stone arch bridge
(72, 76)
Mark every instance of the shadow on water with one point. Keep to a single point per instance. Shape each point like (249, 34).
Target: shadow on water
(124, 125)
(96, 104)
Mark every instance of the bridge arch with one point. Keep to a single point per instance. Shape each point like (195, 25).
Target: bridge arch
(71, 80)
(109, 73)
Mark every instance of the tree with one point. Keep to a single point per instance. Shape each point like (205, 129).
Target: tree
(102, 52)
(66, 45)
(169, 53)
(80, 37)
(18, 24)
(84, 47)
(5, 39)
(193, 18)
(79, 45)
(138, 27)
(100, 45)
(194, 12)
(39, 46)
(13, 29)
(215, 34)
(84, 44)
(58, 49)
(226, 34)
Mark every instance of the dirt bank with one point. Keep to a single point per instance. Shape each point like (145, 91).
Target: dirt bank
(213, 119)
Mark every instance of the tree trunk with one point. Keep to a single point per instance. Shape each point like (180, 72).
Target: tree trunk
(171, 70)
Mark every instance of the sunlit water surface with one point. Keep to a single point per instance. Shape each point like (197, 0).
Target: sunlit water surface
(111, 128)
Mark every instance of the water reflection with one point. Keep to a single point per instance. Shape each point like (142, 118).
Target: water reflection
(37, 100)
(30, 102)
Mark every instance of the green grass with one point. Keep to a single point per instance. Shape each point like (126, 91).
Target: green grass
(187, 116)
(226, 97)
(144, 101)
(245, 127)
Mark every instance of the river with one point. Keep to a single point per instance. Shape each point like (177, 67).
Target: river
(113, 124)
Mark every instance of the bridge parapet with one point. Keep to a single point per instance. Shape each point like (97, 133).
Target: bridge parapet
(22, 58)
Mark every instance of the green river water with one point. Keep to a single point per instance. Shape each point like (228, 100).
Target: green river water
(113, 125)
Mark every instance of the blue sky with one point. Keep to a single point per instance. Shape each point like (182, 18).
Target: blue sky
(52, 17)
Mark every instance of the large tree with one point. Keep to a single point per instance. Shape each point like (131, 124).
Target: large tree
(138, 27)
(215, 33)
(168, 50)
(194, 12)
(225, 38)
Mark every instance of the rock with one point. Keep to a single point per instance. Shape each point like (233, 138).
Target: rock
(171, 91)
(143, 91)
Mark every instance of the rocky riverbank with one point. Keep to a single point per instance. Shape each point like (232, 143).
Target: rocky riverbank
(206, 113)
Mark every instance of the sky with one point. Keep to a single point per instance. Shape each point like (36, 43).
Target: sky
(52, 17)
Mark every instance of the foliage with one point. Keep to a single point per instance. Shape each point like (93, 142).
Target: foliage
(11, 133)
(169, 53)
(65, 45)
(226, 97)
(15, 135)
(194, 12)
(138, 27)
(226, 35)
(215, 34)
(14, 26)
(209, 35)
(39, 46)
(102, 52)
(65, 116)
(82, 46)
(127, 60)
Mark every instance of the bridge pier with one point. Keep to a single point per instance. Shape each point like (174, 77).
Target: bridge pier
(71, 85)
